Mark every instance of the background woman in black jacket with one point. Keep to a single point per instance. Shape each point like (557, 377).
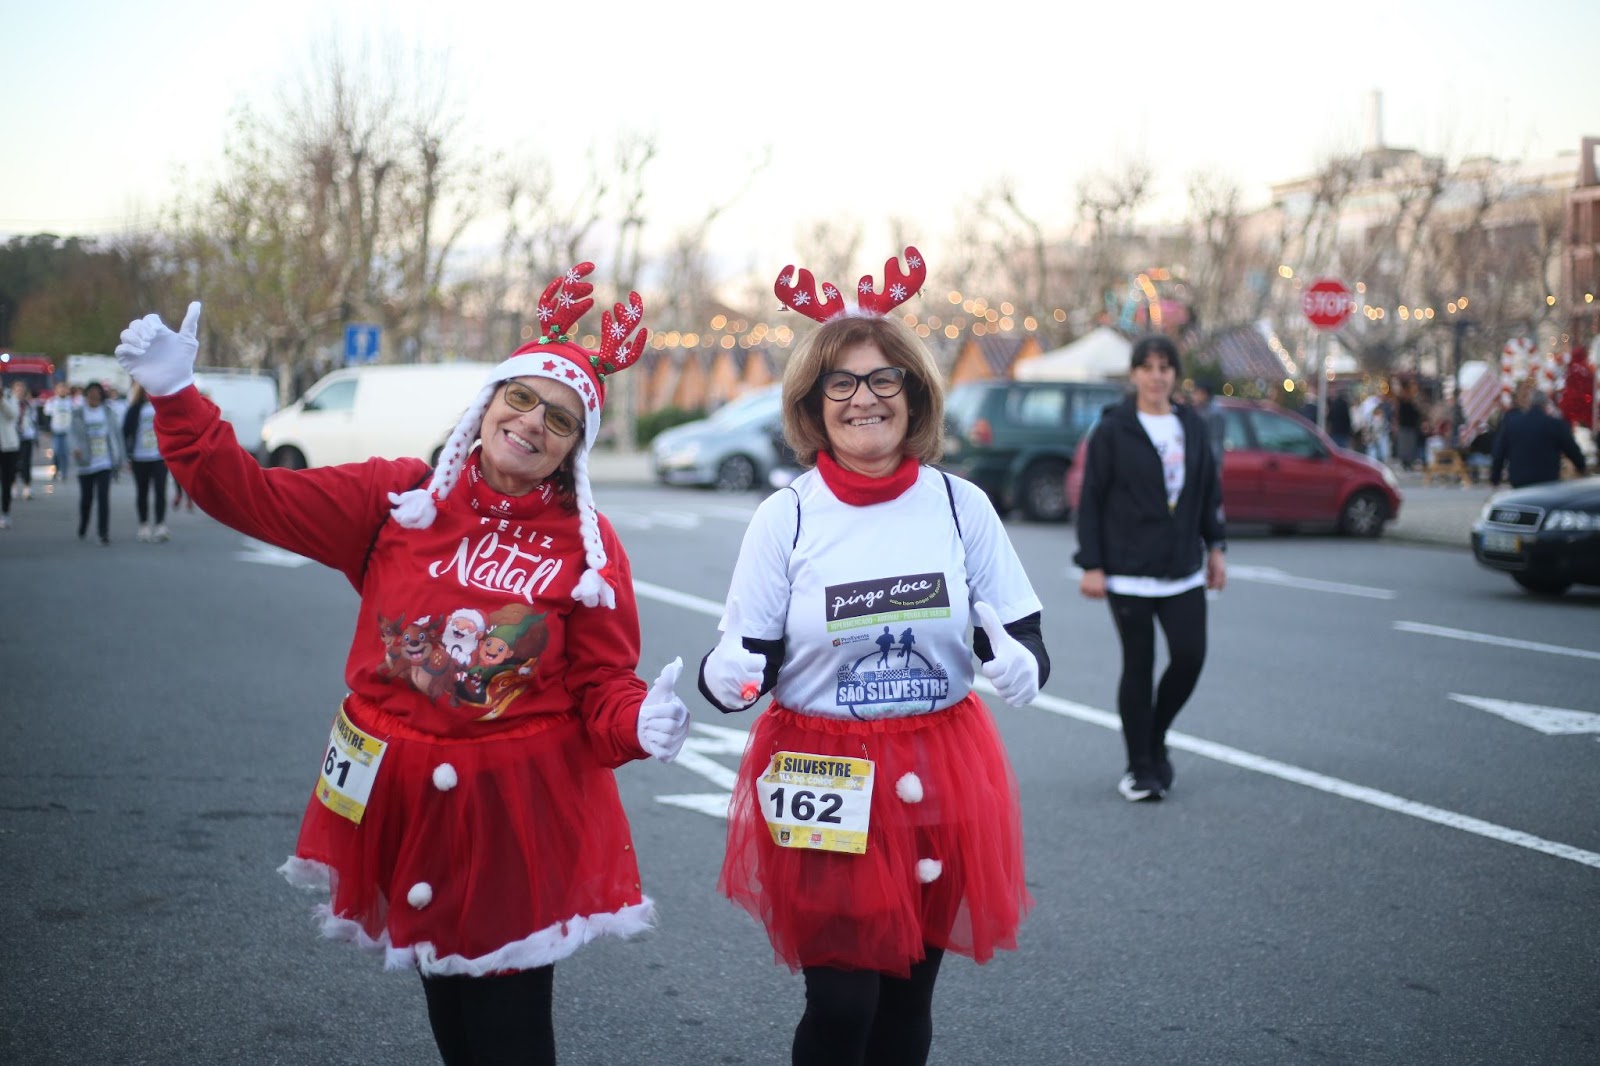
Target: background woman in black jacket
(1150, 541)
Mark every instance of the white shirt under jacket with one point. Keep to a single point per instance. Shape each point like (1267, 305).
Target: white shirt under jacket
(874, 601)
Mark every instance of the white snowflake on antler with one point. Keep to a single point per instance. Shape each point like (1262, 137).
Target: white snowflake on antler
(618, 331)
(802, 298)
(865, 286)
(631, 313)
(545, 313)
(571, 275)
(913, 261)
(829, 292)
(897, 292)
(564, 298)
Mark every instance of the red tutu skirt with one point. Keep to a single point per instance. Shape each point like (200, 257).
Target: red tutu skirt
(943, 790)
(518, 841)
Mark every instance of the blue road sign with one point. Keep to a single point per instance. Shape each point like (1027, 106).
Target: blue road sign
(361, 342)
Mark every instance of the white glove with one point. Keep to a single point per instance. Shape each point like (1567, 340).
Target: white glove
(733, 674)
(663, 719)
(1013, 670)
(157, 358)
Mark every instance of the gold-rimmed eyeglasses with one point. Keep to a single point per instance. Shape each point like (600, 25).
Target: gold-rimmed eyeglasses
(558, 420)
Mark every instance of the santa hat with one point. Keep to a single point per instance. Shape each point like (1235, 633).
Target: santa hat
(556, 357)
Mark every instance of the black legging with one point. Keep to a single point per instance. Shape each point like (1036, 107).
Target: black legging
(1183, 621)
(91, 488)
(25, 463)
(150, 474)
(865, 1018)
(8, 473)
(501, 1020)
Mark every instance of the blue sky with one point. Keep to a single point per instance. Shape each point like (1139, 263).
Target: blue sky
(868, 116)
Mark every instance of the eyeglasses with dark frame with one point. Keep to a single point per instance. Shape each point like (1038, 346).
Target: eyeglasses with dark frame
(558, 420)
(884, 382)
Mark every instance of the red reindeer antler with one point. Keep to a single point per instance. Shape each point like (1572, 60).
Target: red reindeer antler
(897, 287)
(801, 294)
(565, 300)
(617, 350)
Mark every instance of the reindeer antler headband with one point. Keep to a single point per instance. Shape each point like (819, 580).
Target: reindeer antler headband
(798, 289)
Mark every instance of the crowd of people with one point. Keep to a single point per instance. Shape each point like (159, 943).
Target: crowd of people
(95, 433)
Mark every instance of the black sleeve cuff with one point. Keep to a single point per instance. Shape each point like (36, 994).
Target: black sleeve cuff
(772, 650)
(1025, 631)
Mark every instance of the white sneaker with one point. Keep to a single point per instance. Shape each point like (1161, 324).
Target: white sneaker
(5, 521)
(162, 533)
(27, 492)
(144, 534)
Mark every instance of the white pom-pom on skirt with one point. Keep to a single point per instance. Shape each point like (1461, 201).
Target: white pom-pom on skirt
(909, 788)
(928, 870)
(444, 777)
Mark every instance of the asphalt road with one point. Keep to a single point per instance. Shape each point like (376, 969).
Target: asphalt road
(1353, 867)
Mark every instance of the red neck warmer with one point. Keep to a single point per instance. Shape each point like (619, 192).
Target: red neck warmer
(859, 490)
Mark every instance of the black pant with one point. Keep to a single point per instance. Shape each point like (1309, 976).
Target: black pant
(1183, 621)
(150, 474)
(25, 463)
(8, 473)
(502, 1020)
(865, 1018)
(99, 485)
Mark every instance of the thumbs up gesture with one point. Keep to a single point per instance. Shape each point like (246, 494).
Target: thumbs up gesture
(732, 673)
(1013, 670)
(157, 358)
(663, 719)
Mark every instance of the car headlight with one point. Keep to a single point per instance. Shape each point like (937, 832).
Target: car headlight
(1571, 521)
(1389, 478)
(683, 453)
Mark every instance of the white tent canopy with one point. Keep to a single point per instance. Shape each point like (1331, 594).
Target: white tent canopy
(1098, 355)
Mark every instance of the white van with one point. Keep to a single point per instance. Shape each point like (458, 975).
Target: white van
(247, 398)
(362, 412)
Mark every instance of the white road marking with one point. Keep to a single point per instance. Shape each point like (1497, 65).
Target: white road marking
(711, 740)
(1244, 760)
(1426, 630)
(1551, 721)
(713, 803)
(258, 552)
(1271, 575)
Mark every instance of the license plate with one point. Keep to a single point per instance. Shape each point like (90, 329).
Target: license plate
(1505, 543)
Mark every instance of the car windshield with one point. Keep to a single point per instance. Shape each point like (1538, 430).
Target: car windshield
(746, 409)
(961, 404)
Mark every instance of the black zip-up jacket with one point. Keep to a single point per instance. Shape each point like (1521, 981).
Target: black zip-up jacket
(1124, 524)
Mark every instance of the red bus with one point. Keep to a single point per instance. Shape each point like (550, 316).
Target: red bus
(38, 372)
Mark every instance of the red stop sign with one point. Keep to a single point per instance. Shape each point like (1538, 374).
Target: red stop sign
(1326, 303)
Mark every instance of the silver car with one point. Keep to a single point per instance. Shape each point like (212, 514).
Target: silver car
(734, 450)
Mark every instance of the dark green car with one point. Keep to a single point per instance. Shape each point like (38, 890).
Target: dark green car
(1015, 439)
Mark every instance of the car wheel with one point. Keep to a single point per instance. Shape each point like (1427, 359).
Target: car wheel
(736, 473)
(1364, 515)
(289, 459)
(1042, 492)
(1542, 586)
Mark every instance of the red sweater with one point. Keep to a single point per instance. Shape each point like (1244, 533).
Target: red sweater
(465, 629)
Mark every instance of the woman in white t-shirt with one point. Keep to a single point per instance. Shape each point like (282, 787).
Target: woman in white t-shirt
(875, 822)
(97, 453)
(1150, 541)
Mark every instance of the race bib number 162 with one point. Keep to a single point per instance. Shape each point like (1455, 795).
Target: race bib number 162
(822, 802)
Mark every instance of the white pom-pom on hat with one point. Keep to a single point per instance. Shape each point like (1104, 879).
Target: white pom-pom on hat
(421, 894)
(928, 870)
(444, 777)
(909, 788)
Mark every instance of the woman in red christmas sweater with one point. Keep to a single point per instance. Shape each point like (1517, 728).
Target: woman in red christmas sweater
(465, 819)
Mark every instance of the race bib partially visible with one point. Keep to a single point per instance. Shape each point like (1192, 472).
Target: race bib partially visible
(147, 439)
(821, 802)
(99, 450)
(349, 767)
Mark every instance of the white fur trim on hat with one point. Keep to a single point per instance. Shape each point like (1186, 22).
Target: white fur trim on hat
(928, 870)
(909, 788)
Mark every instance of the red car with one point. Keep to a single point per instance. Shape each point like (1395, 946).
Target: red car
(1280, 470)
